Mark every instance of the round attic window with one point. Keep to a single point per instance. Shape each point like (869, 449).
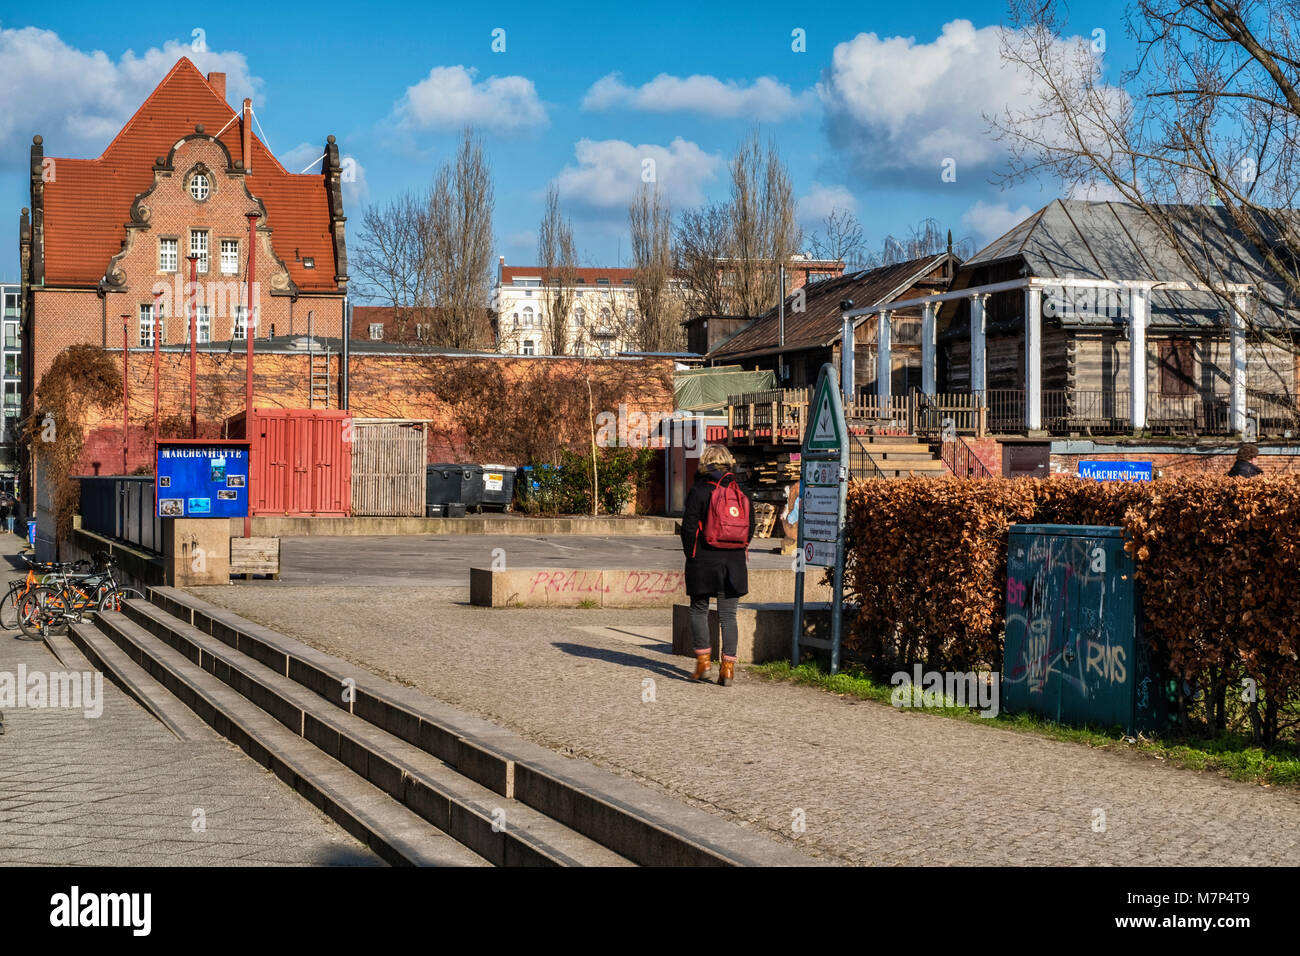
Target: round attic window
(199, 187)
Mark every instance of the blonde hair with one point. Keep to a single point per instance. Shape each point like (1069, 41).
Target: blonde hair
(716, 455)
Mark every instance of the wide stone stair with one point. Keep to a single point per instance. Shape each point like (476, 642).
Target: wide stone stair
(417, 781)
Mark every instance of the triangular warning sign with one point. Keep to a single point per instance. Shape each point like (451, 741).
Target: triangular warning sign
(827, 425)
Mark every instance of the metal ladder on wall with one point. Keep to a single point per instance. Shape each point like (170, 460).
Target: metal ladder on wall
(320, 391)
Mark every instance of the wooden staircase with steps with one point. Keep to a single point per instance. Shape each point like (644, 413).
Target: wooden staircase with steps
(894, 456)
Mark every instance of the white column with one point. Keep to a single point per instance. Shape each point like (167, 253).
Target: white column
(978, 364)
(928, 348)
(1237, 356)
(1139, 309)
(1033, 359)
(847, 384)
(884, 361)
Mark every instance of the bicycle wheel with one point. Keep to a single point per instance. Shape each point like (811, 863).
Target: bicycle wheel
(40, 613)
(112, 600)
(9, 607)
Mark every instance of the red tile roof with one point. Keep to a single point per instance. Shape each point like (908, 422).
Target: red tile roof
(589, 276)
(89, 200)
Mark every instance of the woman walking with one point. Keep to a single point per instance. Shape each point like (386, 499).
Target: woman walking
(715, 538)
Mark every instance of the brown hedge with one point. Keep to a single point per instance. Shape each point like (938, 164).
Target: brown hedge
(1218, 561)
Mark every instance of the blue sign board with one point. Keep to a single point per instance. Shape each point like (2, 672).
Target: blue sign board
(1116, 470)
(202, 480)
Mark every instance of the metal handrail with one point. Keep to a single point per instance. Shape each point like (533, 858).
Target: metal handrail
(860, 453)
(963, 462)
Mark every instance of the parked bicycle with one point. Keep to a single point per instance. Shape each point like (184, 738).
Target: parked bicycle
(38, 573)
(71, 596)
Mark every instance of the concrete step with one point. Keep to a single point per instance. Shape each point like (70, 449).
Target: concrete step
(502, 830)
(134, 680)
(394, 832)
(640, 824)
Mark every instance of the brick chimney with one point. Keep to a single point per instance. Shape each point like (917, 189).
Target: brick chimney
(218, 83)
(246, 125)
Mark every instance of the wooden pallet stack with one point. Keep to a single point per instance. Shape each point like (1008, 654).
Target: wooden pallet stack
(766, 479)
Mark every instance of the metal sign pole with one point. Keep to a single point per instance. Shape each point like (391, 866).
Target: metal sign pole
(822, 499)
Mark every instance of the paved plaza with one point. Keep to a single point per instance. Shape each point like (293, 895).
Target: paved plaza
(869, 784)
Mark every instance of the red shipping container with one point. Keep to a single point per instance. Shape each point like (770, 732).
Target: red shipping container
(302, 461)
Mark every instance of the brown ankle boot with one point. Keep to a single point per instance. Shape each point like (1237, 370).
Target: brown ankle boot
(726, 673)
(702, 665)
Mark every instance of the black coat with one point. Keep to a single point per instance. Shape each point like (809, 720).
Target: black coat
(1244, 469)
(711, 570)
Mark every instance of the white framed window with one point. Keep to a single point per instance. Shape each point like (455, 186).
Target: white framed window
(199, 247)
(229, 257)
(167, 255)
(240, 328)
(199, 187)
(527, 347)
(146, 327)
(421, 330)
(604, 349)
(580, 317)
(376, 331)
(204, 323)
(631, 316)
(516, 320)
(528, 316)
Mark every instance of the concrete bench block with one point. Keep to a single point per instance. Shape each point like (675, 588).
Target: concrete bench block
(764, 630)
(576, 587)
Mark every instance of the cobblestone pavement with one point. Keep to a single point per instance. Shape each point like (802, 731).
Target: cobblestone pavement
(872, 785)
(121, 790)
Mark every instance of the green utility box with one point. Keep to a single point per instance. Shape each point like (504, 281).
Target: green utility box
(1074, 647)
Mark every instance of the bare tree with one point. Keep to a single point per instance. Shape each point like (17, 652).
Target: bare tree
(1203, 134)
(764, 229)
(558, 259)
(429, 255)
(460, 214)
(391, 262)
(657, 325)
(701, 242)
(840, 240)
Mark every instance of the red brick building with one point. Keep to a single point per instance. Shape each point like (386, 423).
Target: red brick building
(111, 237)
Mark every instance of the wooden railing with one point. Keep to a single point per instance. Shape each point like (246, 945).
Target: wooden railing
(778, 416)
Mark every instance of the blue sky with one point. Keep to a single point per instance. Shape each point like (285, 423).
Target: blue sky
(581, 96)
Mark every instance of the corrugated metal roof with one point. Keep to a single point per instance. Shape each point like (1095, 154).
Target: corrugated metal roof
(1119, 241)
(820, 324)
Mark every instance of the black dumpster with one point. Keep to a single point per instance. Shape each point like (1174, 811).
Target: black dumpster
(446, 484)
(498, 486)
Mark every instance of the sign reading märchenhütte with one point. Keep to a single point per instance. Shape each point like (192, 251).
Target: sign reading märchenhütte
(1116, 470)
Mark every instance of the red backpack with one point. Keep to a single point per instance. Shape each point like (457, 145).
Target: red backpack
(727, 523)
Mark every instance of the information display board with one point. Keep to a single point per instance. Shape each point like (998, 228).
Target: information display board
(202, 479)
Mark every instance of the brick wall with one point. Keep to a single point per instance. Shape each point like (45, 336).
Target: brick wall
(1171, 464)
(381, 386)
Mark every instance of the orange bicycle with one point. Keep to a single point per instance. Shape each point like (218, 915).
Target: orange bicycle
(47, 609)
(38, 573)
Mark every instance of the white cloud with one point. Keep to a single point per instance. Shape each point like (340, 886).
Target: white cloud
(989, 221)
(764, 99)
(78, 101)
(449, 97)
(821, 201)
(893, 103)
(610, 172)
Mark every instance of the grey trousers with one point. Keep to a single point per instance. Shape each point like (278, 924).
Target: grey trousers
(726, 622)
